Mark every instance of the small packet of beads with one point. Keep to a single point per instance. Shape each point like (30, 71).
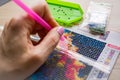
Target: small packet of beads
(97, 17)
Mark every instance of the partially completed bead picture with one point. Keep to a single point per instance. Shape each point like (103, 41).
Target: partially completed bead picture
(81, 44)
(61, 66)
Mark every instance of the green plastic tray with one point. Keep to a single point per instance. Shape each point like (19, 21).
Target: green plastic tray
(65, 13)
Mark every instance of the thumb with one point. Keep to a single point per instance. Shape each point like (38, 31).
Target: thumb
(48, 44)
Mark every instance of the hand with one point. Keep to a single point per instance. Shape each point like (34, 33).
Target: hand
(19, 56)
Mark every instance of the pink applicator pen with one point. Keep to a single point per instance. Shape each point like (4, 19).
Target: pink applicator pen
(42, 22)
(37, 18)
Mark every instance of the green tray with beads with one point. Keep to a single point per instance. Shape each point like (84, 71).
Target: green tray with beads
(65, 13)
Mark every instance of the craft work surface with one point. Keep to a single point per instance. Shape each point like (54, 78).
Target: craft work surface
(10, 9)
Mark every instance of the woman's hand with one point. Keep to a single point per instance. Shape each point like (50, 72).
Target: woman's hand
(19, 56)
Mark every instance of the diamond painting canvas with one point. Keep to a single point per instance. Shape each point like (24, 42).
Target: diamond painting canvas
(61, 66)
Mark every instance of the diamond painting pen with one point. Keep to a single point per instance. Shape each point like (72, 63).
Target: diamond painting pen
(36, 17)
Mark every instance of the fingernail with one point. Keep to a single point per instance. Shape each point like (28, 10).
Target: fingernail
(60, 30)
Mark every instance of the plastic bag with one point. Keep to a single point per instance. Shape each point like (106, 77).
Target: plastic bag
(97, 17)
